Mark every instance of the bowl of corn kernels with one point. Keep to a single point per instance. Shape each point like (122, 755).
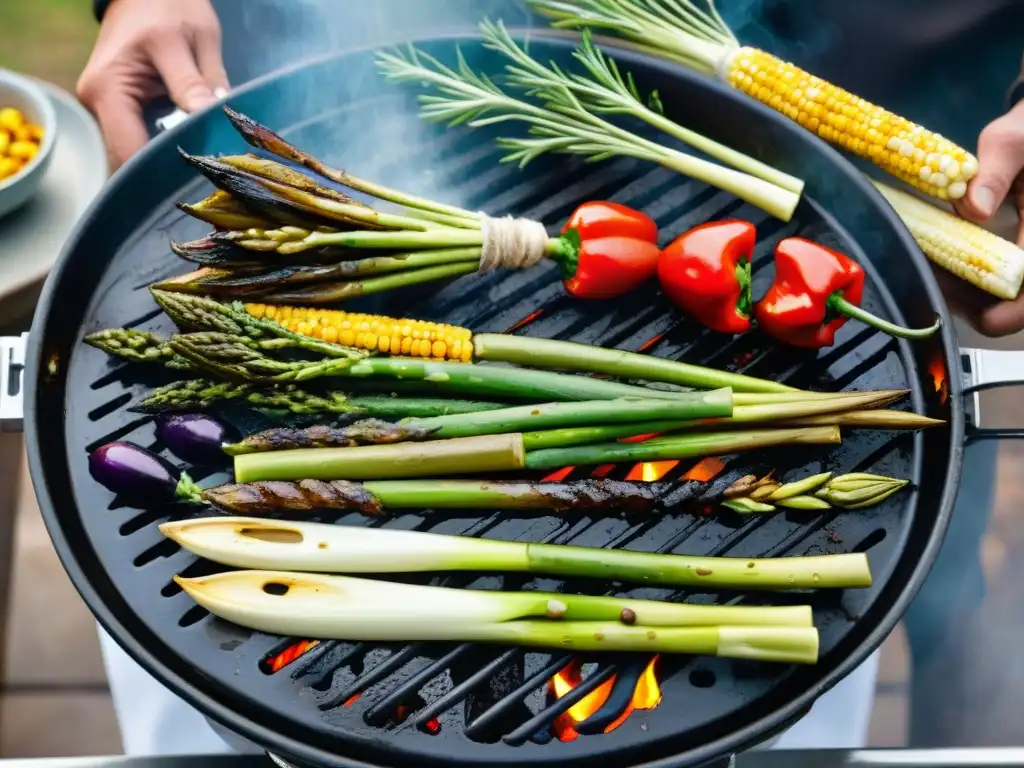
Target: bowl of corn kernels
(28, 123)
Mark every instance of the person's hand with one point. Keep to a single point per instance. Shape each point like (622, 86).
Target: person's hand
(148, 48)
(1000, 177)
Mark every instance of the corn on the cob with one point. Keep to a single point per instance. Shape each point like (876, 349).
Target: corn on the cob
(972, 253)
(700, 39)
(376, 333)
(923, 159)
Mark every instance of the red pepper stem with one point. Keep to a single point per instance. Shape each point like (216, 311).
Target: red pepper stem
(565, 251)
(837, 303)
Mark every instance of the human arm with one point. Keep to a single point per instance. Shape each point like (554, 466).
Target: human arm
(147, 48)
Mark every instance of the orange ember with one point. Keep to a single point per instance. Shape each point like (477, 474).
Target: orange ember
(639, 438)
(651, 342)
(705, 470)
(525, 321)
(937, 369)
(352, 699)
(288, 655)
(432, 726)
(603, 470)
(646, 695)
(651, 471)
(558, 475)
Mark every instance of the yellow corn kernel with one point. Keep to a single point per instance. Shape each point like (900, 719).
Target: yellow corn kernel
(386, 335)
(8, 167)
(11, 119)
(869, 131)
(36, 132)
(976, 255)
(23, 150)
(22, 133)
(5, 142)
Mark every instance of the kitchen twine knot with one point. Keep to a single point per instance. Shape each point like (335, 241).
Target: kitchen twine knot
(511, 243)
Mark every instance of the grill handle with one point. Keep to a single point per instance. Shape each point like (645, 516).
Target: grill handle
(983, 369)
(980, 369)
(12, 384)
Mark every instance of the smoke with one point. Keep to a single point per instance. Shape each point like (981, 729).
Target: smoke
(261, 36)
(795, 30)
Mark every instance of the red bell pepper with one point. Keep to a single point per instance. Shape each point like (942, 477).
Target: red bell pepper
(611, 249)
(815, 291)
(706, 272)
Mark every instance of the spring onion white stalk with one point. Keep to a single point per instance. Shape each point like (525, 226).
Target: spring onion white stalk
(246, 542)
(342, 608)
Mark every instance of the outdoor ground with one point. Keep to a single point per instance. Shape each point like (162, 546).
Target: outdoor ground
(50, 39)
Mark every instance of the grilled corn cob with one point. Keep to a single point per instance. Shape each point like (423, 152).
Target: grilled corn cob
(415, 338)
(923, 159)
(972, 253)
(700, 39)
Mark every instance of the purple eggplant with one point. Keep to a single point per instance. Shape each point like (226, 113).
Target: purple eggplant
(194, 437)
(130, 470)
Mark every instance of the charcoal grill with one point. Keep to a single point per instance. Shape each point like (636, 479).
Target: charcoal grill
(359, 704)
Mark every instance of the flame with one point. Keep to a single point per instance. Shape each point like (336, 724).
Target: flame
(603, 470)
(352, 699)
(558, 475)
(705, 470)
(525, 321)
(937, 369)
(432, 726)
(651, 471)
(288, 655)
(646, 695)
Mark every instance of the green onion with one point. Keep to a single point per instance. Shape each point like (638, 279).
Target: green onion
(247, 542)
(694, 405)
(333, 607)
(678, 447)
(569, 355)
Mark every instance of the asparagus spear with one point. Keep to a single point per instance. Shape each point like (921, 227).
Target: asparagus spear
(199, 394)
(203, 314)
(261, 137)
(224, 212)
(365, 432)
(137, 346)
(373, 497)
(325, 280)
(818, 492)
(500, 453)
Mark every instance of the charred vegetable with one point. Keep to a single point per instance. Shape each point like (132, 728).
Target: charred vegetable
(365, 432)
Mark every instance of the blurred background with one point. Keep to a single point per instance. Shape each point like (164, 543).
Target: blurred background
(55, 700)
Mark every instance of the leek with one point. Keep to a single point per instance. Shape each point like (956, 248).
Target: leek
(249, 542)
(340, 608)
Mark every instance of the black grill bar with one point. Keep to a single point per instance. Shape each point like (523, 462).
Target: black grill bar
(546, 716)
(384, 708)
(463, 689)
(487, 720)
(390, 665)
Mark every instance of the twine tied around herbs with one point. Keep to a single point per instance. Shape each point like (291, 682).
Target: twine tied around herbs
(511, 243)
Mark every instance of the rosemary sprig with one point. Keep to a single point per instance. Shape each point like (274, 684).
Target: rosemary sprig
(605, 90)
(562, 125)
